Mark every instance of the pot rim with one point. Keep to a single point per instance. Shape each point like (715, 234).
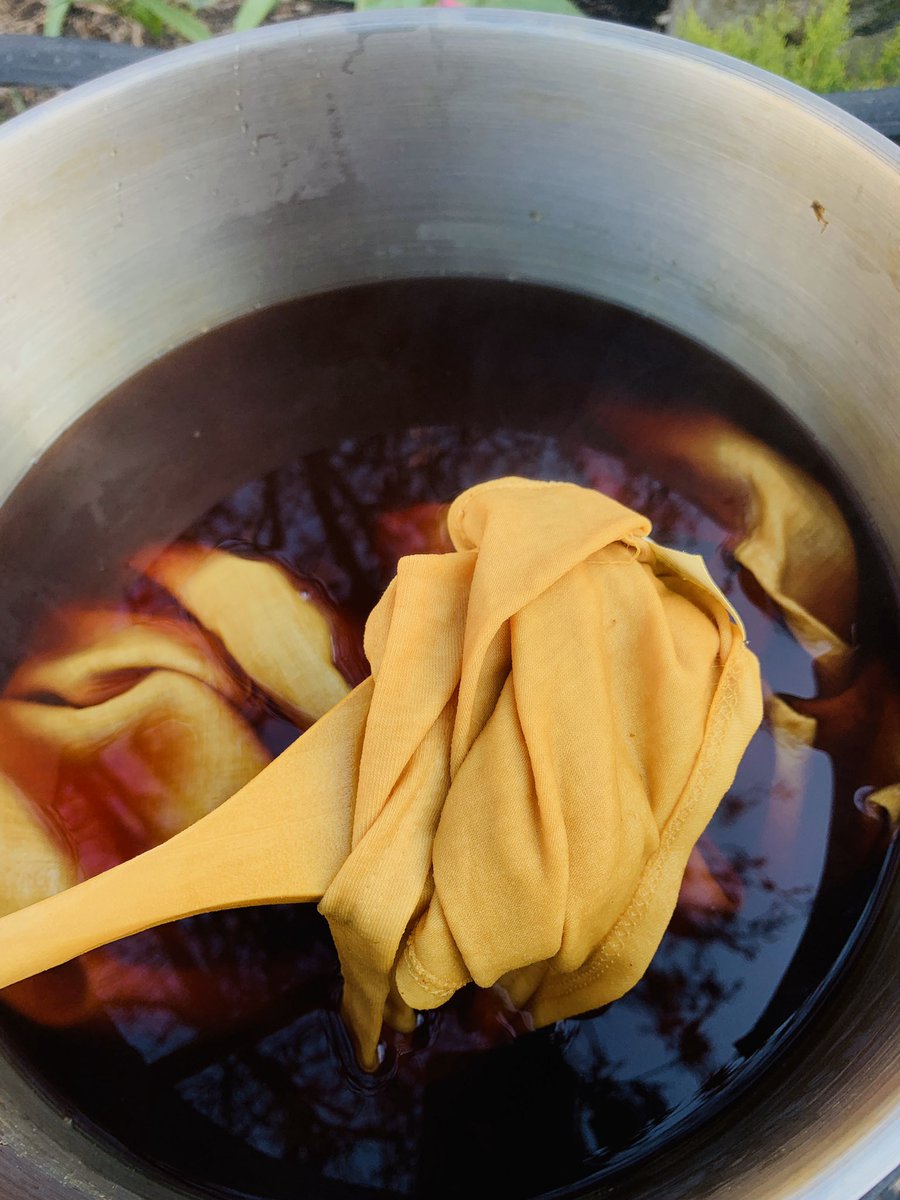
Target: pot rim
(862, 1162)
(362, 24)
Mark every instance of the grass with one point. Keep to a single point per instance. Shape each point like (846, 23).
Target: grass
(158, 17)
(185, 20)
(814, 52)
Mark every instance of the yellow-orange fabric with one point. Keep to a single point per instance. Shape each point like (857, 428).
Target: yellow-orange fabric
(130, 723)
(789, 533)
(555, 710)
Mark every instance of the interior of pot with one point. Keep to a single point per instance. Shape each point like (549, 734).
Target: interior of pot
(304, 160)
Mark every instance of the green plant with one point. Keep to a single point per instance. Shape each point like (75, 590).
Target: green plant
(12, 103)
(57, 11)
(156, 16)
(253, 13)
(812, 51)
(159, 15)
(883, 71)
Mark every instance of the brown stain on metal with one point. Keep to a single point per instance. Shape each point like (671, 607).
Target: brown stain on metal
(819, 209)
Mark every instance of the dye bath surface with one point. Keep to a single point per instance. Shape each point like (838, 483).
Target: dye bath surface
(226, 1065)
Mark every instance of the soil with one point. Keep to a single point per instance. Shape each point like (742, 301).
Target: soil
(107, 22)
(15, 100)
(104, 23)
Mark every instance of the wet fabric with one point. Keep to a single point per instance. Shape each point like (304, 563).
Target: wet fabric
(555, 710)
(794, 542)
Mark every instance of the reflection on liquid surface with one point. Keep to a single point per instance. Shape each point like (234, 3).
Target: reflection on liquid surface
(213, 1049)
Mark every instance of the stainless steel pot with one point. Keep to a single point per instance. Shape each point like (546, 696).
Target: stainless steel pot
(157, 203)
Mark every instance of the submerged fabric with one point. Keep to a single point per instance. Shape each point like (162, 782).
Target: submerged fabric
(555, 710)
(789, 534)
(787, 531)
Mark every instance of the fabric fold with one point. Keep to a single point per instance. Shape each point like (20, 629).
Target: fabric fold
(600, 717)
(555, 710)
(791, 537)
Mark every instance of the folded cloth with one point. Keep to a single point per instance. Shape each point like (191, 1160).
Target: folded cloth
(787, 530)
(127, 728)
(555, 710)
(789, 534)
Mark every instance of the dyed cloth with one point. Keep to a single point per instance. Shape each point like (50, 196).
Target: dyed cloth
(555, 710)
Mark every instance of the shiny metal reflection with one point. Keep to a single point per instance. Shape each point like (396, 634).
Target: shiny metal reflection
(297, 159)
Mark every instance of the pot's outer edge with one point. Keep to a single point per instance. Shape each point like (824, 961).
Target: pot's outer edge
(743, 211)
(405, 20)
(45, 147)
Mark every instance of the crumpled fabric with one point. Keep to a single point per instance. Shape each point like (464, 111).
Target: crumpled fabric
(555, 710)
(792, 538)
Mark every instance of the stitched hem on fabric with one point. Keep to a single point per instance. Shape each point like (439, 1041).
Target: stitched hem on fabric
(439, 988)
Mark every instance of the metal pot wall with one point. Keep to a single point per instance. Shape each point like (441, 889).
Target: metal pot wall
(152, 205)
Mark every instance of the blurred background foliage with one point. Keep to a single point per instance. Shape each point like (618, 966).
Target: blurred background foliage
(823, 45)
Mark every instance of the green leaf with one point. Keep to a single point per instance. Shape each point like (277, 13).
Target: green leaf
(820, 57)
(253, 13)
(810, 51)
(889, 63)
(151, 24)
(57, 11)
(177, 19)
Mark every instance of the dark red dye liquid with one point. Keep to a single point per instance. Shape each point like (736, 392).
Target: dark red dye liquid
(213, 1052)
